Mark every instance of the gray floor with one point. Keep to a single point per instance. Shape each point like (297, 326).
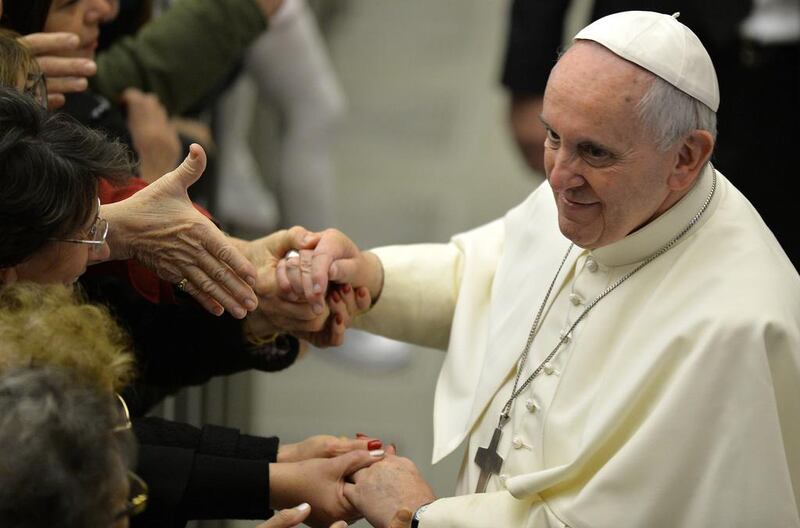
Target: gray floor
(424, 153)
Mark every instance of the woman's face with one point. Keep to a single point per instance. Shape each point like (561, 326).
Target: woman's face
(64, 262)
(82, 17)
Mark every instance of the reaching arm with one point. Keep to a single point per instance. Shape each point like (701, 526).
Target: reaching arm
(160, 227)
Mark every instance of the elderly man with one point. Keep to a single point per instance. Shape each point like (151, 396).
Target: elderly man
(624, 346)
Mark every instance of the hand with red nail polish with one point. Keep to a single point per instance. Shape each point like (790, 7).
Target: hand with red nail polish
(325, 446)
(343, 304)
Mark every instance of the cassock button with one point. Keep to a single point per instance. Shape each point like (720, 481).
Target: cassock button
(548, 368)
(591, 264)
(575, 299)
(517, 443)
(531, 405)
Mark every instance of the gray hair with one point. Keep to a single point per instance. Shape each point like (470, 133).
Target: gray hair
(61, 463)
(670, 114)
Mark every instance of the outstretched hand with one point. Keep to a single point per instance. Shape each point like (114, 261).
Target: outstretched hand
(160, 227)
(63, 74)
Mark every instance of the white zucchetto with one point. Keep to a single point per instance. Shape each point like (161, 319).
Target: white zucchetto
(662, 45)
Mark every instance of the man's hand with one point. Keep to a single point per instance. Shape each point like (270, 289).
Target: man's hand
(335, 258)
(64, 74)
(380, 491)
(155, 138)
(319, 482)
(325, 446)
(160, 227)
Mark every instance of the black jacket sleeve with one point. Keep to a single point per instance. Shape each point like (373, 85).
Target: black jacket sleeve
(209, 473)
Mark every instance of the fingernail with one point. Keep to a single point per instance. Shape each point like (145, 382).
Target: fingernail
(317, 308)
(317, 288)
(250, 304)
(90, 67)
(362, 292)
(374, 444)
(293, 297)
(192, 154)
(346, 288)
(306, 239)
(239, 313)
(360, 435)
(339, 320)
(302, 507)
(335, 297)
(377, 453)
(251, 281)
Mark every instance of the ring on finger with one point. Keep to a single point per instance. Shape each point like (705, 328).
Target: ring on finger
(182, 284)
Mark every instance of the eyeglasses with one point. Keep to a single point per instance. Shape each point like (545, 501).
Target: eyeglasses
(123, 416)
(137, 497)
(97, 234)
(36, 87)
(137, 488)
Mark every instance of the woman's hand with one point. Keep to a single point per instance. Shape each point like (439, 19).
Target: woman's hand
(293, 517)
(154, 136)
(320, 482)
(325, 446)
(160, 227)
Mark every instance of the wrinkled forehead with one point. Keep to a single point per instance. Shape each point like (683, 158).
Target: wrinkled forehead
(591, 84)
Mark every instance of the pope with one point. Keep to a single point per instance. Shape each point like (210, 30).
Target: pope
(623, 348)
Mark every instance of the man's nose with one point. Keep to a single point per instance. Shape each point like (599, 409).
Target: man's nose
(564, 173)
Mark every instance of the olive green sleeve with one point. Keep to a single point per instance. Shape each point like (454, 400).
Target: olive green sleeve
(183, 54)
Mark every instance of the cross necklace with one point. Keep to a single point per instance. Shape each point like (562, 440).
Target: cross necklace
(487, 458)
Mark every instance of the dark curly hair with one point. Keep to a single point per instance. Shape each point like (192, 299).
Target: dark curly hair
(62, 464)
(49, 168)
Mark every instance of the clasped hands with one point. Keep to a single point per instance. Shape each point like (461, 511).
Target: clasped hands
(344, 479)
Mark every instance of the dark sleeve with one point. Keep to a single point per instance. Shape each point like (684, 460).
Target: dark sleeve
(183, 54)
(535, 33)
(178, 345)
(209, 473)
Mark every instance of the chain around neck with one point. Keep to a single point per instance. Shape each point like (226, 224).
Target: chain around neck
(505, 414)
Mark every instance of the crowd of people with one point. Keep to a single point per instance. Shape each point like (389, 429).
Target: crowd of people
(623, 347)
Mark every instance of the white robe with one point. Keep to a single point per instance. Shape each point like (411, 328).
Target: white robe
(676, 402)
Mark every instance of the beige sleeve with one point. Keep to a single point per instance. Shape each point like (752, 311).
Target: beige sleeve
(420, 289)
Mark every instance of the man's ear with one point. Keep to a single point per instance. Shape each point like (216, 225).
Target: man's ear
(690, 159)
(8, 275)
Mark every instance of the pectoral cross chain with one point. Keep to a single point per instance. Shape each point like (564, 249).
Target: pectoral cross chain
(489, 461)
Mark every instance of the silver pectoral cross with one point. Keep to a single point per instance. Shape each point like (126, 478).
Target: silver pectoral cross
(488, 459)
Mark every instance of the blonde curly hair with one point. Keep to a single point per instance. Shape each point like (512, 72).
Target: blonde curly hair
(48, 324)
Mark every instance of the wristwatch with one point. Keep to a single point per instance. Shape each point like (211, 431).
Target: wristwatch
(418, 514)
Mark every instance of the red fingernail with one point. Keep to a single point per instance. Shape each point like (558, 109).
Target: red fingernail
(339, 319)
(362, 292)
(335, 297)
(374, 444)
(346, 288)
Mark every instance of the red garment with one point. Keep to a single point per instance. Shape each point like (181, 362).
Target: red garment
(144, 281)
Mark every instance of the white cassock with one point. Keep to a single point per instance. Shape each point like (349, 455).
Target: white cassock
(675, 402)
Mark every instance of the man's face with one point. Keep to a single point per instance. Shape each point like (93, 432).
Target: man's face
(607, 176)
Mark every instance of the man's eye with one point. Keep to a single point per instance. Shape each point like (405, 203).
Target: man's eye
(552, 136)
(594, 152)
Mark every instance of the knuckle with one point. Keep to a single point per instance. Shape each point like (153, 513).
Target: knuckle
(219, 275)
(207, 286)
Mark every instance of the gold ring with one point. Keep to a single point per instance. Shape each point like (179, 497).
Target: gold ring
(182, 284)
